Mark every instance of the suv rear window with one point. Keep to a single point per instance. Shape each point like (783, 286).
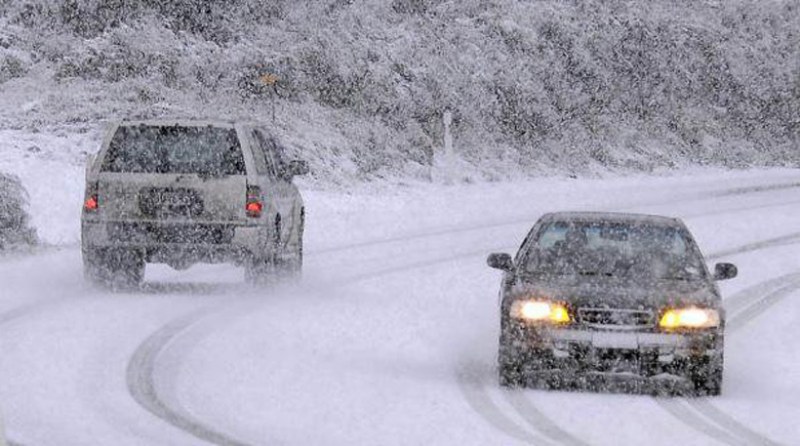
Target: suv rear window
(175, 149)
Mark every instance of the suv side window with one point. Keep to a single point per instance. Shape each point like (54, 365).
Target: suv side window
(258, 154)
(263, 153)
(273, 152)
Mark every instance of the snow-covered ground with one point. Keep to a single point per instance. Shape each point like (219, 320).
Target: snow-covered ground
(390, 338)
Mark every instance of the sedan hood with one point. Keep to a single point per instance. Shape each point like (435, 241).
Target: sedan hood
(618, 293)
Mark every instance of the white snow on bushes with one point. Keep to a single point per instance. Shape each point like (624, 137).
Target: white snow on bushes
(534, 87)
(15, 228)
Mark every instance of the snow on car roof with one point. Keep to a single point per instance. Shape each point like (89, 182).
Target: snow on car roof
(622, 217)
(183, 122)
(177, 122)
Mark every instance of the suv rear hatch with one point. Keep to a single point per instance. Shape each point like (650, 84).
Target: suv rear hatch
(173, 174)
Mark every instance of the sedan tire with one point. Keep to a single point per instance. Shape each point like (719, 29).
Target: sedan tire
(706, 375)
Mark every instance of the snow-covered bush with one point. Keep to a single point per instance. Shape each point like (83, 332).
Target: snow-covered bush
(15, 227)
(573, 86)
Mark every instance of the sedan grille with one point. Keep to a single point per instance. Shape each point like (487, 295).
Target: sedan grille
(619, 319)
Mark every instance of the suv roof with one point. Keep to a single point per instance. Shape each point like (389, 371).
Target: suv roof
(189, 122)
(177, 122)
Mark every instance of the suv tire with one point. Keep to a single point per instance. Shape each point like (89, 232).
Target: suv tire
(290, 264)
(258, 269)
(115, 268)
(261, 269)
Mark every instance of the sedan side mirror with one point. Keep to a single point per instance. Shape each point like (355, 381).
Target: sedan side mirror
(500, 261)
(724, 271)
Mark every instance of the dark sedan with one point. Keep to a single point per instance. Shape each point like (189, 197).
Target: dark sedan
(611, 299)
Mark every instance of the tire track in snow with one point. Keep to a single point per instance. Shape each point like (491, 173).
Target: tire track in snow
(30, 309)
(539, 420)
(535, 417)
(757, 307)
(142, 369)
(685, 415)
(747, 435)
(532, 415)
(703, 405)
(753, 189)
(142, 385)
(471, 385)
(21, 311)
(12, 315)
(435, 232)
(783, 240)
(705, 418)
(544, 425)
(143, 363)
(747, 305)
(740, 300)
(713, 420)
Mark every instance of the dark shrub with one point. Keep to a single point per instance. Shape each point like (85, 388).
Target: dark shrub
(15, 228)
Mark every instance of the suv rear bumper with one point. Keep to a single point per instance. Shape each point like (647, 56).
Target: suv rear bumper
(167, 242)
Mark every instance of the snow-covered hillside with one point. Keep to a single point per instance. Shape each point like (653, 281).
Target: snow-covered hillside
(534, 87)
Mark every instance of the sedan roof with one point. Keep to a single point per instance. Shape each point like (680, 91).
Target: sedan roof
(621, 217)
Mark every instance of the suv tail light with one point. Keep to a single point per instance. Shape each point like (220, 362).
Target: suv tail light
(91, 203)
(254, 205)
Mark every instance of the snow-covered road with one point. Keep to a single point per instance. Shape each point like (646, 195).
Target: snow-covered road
(391, 336)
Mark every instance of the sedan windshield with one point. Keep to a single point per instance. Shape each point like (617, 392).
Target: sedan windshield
(613, 249)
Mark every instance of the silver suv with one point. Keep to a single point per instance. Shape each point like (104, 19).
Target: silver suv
(180, 193)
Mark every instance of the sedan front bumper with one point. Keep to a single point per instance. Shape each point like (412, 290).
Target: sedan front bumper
(577, 351)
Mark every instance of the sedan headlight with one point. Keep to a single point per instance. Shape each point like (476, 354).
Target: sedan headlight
(540, 311)
(689, 318)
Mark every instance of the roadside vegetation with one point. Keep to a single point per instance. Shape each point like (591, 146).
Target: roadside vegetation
(360, 86)
(15, 228)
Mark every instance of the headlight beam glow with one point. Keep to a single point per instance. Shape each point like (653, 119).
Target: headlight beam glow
(540, 311)
(689, 318)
